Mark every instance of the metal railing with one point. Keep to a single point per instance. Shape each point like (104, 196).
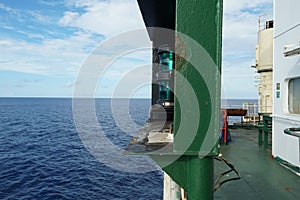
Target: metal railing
(252, 108)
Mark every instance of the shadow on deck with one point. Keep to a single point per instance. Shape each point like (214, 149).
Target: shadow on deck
(262, 176)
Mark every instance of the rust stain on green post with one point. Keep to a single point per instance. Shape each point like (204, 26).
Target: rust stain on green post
(201, 20)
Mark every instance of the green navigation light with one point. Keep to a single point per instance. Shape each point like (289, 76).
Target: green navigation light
(165, 77)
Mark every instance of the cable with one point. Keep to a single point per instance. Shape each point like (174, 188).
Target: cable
(232, 168)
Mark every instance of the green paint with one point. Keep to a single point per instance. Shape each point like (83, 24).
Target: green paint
(193, 174)
(262, 176)
(267, 128)
(278, 94)
(166, 60)
(259, 128)
(287, 164)
(289, 131)
(166, 63)
(200, 178)
(178, 195)
(202, 21)
(266, 140)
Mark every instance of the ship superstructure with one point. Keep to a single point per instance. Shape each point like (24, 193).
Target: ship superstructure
(264, 65)
(286, 83)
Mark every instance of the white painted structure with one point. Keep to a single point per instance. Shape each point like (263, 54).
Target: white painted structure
(172, 191)
(286, 80)
(264, 66)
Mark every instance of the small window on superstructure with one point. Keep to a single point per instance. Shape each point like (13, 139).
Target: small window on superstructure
(294, 96)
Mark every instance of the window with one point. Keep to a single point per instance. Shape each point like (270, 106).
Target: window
(294, 96)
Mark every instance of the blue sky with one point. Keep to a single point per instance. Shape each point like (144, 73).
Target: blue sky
(43, 44)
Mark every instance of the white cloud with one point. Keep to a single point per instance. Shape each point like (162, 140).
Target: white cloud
(39, 17)
(104, 17)
(231, 6)
(69, 18)
(240, 27)
(64, 56)
(69, 84)
(6, 8)
(241, 24)
(23, 16)
(51, 57)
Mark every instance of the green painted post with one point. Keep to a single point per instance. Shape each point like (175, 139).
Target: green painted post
(193, 174)
(200, 179)
(265, 131)
(201, 21)
(266, 141)
(260, 135)
(260, 129)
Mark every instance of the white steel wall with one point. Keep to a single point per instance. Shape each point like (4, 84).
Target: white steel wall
(264, 66)
(286, 32)
(265, 92)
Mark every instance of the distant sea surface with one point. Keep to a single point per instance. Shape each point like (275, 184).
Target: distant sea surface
(42, 156)
(237, 103)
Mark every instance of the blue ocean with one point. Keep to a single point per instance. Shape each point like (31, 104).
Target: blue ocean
(42, 156)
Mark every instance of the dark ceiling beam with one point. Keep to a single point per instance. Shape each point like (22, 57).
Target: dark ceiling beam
(158, 13)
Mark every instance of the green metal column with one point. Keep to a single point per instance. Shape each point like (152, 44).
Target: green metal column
(260, 129)
(200, 178)
(193, 174)
(201, 21)
(197, 84)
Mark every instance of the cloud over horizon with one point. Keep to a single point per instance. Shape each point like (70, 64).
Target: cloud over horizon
(240, 27)
(53, 39)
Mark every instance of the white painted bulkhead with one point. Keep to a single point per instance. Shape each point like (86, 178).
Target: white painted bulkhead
(286, 33)
(264, 66)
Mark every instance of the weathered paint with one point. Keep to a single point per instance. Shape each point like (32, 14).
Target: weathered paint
(193, 170)
(202, 21)
(193, 174)
(172, 191)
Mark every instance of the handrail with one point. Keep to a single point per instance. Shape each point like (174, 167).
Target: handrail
(292, 131)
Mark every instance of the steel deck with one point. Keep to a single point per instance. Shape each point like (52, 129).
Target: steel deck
(262, 177)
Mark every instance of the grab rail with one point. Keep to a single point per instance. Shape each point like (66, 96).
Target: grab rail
(293, 131)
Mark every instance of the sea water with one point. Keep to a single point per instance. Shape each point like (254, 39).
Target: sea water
(43, 157)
